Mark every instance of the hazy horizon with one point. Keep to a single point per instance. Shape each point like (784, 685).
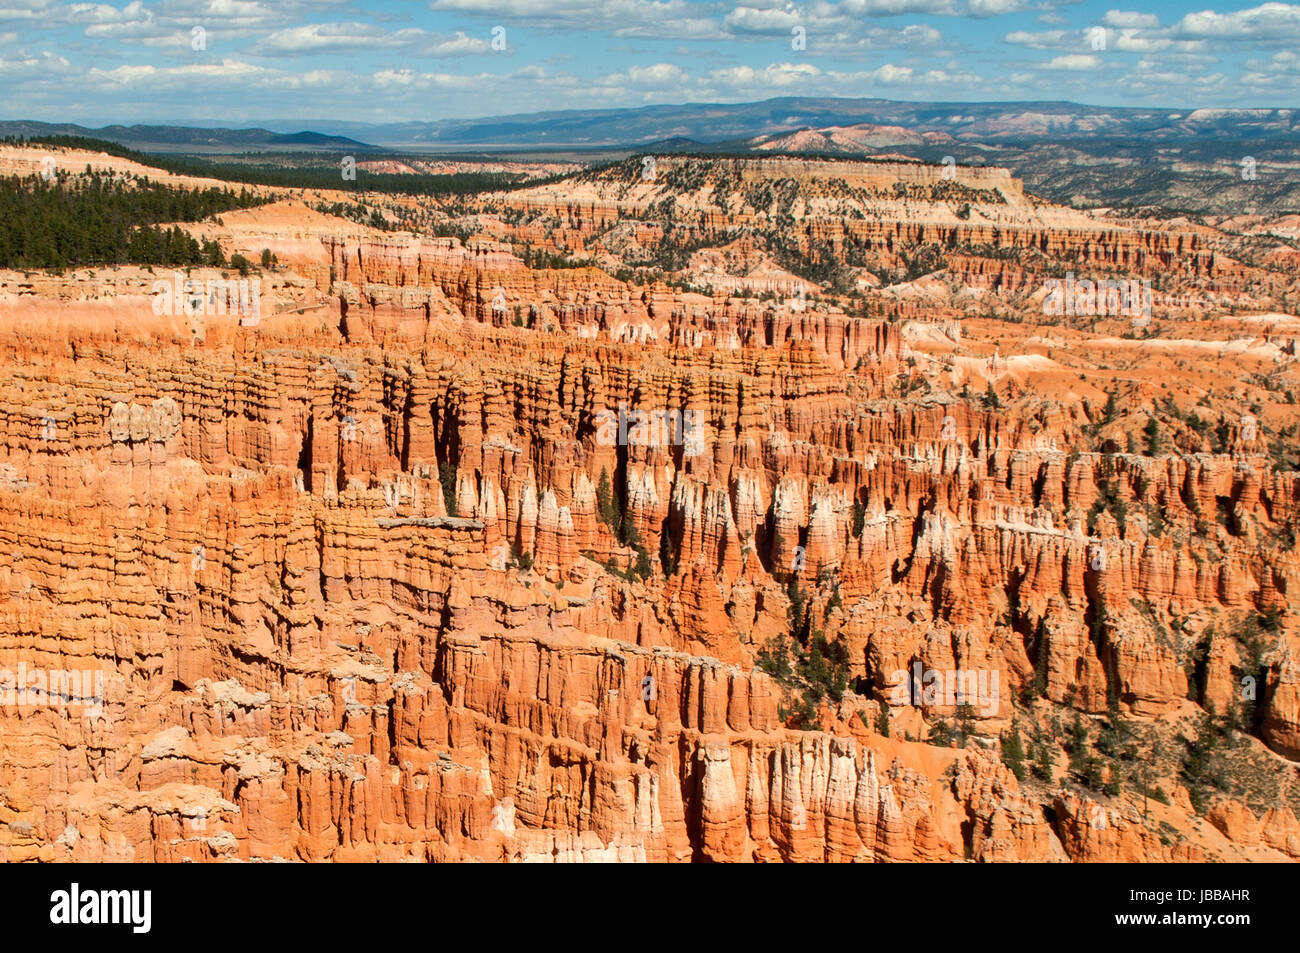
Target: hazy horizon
(281, 124)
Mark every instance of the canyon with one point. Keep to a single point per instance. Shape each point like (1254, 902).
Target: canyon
(349, 570)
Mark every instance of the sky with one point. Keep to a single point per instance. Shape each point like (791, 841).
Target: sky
(235, 62)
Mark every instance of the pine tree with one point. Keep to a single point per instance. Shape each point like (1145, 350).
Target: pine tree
(1040, 662)
(1013, 752)
(627, 534)
(642, 569)
(940, 734)
(965, 721)
(797, 614)
(1112, 407)
(1043, 762)
(607, 507)
(1155, 441)
(447, 477)
(1092, 774)
(882, 720)
(1078, 749)
(859, 518)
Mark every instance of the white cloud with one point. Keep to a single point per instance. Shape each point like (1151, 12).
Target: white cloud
(658, 76)
(994, 8)
(1120, 18)
(323, 37)
(671, 19)
(192, 76)
(1047, 40)
(26, 9)
(1281, 72)
(1073, 62)
(891, 74)
(920, 34)
(776, 76)
(409, 79)
(747, 19)
(1267, 23)
(43, 66)
(1134, 41)
(1126, 40)
(890, 8)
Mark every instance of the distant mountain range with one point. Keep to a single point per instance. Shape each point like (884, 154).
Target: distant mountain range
(717, 123)
(188, 139)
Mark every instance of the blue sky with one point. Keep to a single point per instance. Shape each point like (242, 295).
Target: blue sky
(235, 62)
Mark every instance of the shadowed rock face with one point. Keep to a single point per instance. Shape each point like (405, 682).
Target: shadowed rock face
(348, 581)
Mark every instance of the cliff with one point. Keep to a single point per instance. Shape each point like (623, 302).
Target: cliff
(349, 588)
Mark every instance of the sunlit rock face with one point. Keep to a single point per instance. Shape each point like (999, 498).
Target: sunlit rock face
(447, 557)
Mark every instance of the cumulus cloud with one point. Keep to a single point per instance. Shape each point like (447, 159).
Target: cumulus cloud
(1125, 40)
(993, 8)
(1046, 40)
(324, 37)
(1267, 23)
(917, 34)
(1121, 18)
(43, 65)
(674, 19)
(658, 76)
(775, 76)
(225, 73)
(1281, 72)
(1135, 41)
(891, 8)
(27, 10)
(1074, 62)
(746, 19)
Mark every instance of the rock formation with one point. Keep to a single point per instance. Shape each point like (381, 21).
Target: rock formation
(349, 589)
